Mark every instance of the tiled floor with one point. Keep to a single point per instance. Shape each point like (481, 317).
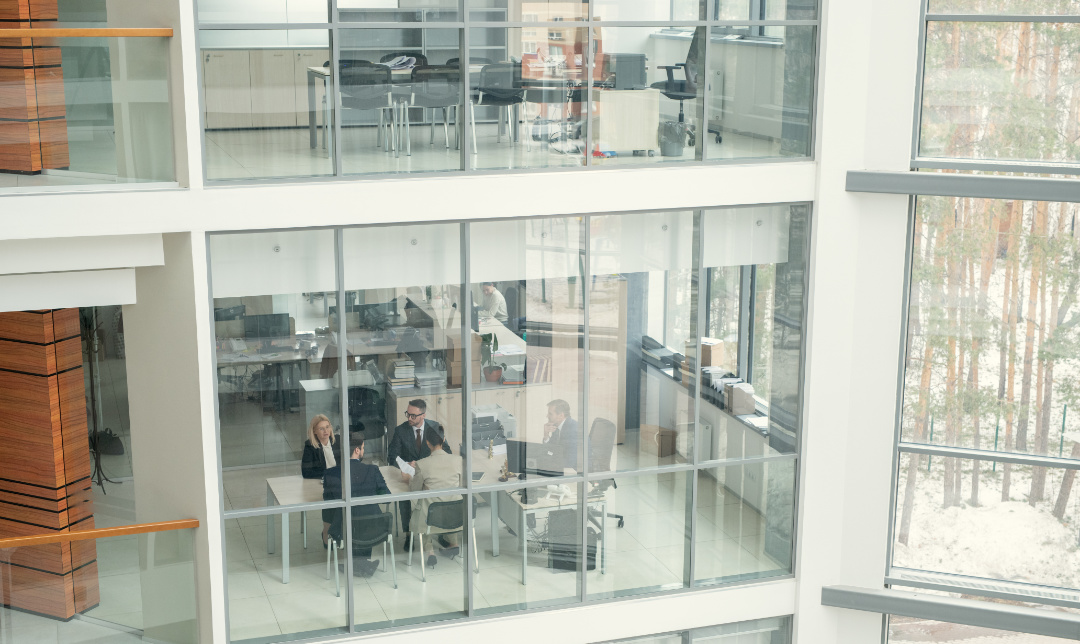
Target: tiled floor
(648, 553)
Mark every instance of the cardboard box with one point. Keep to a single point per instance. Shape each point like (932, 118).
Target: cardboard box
(739, 399)
(658, 441)
(713, 352)
(453, 347)
(454, 373)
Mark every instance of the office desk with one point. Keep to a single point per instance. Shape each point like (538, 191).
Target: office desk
(289, 490)
(284, 356)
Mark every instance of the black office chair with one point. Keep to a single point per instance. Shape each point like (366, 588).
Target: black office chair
(437, 87)
(499, 86)
(685, 89)
(368, 530)
(473, 60)
(368, 87)
(514, 321)
(420, 58)
(447, 516)
(601, 445)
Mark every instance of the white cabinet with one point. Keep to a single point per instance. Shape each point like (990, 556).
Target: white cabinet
(272, 100)
(227, 88)
(301, 61)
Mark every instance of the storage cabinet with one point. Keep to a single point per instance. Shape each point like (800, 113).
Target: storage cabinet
(259, 88)
(272, 96)
(308, 58)
(227, 88)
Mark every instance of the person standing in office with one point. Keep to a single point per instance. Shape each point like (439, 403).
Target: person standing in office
(409, 442)
(561, 432)
(367, 480)
(437, 471)
(494, 303)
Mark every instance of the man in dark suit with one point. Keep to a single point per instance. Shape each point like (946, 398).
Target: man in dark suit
(367, 480)
(409, 443)
(561, 433)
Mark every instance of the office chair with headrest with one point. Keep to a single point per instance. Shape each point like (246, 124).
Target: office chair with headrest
(448, 516)
(601, 445)
(367, 530)
(686, 88)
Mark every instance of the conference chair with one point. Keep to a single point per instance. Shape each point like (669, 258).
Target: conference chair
(500, 87)
(368, 530)
(473, 60)
(368, 87)
(446, 516)
(437, 87)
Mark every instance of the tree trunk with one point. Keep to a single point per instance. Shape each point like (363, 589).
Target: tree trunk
(1014, 260)
(1066, 486)
(1029, 336)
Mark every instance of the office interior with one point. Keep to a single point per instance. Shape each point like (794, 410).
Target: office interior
(549, 86)
(661, 435)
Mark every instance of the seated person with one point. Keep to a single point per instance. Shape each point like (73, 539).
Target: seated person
(409, 442)
(321, 451)
(367, 480)
(494, 304)
(437, 471)
(561, 433)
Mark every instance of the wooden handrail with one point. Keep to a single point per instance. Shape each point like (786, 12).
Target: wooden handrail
(83, 535)
(88, 32)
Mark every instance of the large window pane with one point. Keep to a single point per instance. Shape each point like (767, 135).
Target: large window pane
(914, 629)
(527, 10)
(272, 293)
(264, 97)
(1002, 91)
(641, 319)
(762, 9)
(527, 113)
(990, 333)
(1018, 527)
(263, 11)
(745, 521)
(774, 630)
(417, 11)
(761, 83)
(530, 312)
(648, 534)
(277, 579)
(648, 10)
(390, 81)
(530, 549)
(648, 90)
(1006, 7)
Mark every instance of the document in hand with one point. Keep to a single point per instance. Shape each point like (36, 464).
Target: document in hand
(405, 467)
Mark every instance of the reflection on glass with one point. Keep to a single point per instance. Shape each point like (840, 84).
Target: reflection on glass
(761, 82)
(528, 10)
(530, 547)
(650, 10)
(275, 355)
(390, 81)
(1018, 528)
(1015, 395)
(1006, 7)
(641, 320)
(982, 101)
(415, 11)
(762, 9)
(745, 521)
(915, 629)
(263, 11)
(527, 393)
(265, 110)
(527, 112)
(775, 630)
(755, 261)
(647, 112)
(277, 579)
(647, 529)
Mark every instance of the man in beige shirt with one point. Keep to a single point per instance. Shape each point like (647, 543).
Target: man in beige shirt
(439, 471)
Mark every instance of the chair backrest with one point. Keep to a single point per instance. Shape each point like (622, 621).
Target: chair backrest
(601, 445)
(446, 515)
(371, 529)
(695, 54)
(439, 83)
(420, 58)
(502, 80)
(473, 60)
(511, 297)
(365, 86)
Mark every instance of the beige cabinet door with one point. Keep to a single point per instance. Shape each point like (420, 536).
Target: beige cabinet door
(302, 59)
(227, 89)
(272, 95)
(448, 413)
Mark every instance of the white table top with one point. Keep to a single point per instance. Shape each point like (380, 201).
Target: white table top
(290, 490)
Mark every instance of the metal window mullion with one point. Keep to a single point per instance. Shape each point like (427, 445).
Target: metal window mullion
(699, 319)
(703, 132)
(970, 454)
(335, 111)
(589, 61)
(585, 239)
(262, 26)
(916, 128)
(465, 302)
(343, 393)
(992, 17)
(462, 113)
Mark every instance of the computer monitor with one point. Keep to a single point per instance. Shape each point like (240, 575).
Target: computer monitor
(272, 325)
(526, 458)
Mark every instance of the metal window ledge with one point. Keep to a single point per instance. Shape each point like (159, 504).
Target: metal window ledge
(964, 185)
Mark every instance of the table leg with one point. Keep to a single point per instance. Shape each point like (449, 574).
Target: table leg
(303, 527)
(328, 111)
(603, 538)
(524, 545)
(270, 522)
(285, 547)
(313, 136)
(495, 524)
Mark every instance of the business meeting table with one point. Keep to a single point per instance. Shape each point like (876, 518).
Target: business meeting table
(505, 506)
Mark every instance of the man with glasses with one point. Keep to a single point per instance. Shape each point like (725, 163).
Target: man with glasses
(409, 442)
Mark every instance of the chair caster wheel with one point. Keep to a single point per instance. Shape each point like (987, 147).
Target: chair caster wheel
(719, 139)
(621, 522)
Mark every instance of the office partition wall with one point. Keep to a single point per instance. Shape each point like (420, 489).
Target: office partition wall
(565, 433)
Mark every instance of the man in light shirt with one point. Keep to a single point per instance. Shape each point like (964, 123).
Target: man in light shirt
(494, 304)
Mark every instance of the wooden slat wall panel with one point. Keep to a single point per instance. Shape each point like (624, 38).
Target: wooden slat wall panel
(49, 85)
(85, 582)
(54, 505)
(20, 149)
(30, 445)
(37, 592)
(68, 354)
(80, 504)
(65, 324)
(28, 326)
(38, 359)
(73, 425)
(54, 143)
(15, 10)
(50, 519)
(50, 556)
(16, 487)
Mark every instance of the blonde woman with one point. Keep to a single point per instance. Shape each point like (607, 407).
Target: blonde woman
(321, 452)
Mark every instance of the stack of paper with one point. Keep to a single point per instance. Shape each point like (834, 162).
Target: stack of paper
(401, 62)
(402, 373)
(430, 378)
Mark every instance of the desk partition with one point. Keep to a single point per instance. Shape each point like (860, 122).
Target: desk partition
(635, 429)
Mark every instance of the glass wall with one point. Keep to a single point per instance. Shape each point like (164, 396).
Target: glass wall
(523, 398)
(501, 85)
(773, 630)
(914, 629)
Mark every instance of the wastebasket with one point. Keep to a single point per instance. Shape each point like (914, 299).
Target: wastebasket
(672, 138)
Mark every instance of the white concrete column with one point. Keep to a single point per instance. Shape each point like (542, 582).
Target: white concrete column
(171, 399)
(865, 110)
